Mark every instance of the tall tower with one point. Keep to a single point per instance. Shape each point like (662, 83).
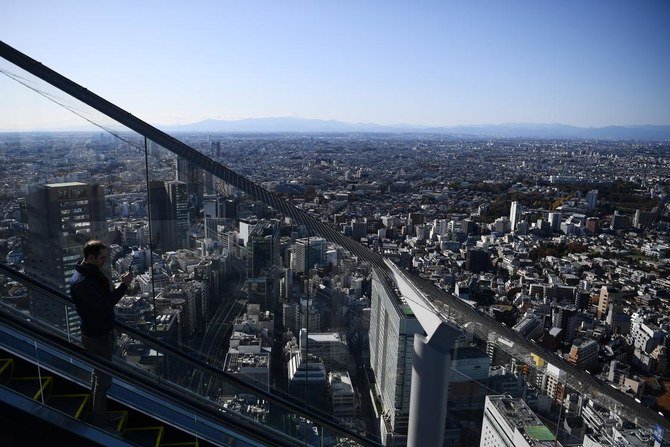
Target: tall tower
(393, 326)
(515, 214)
(192, 176)
(169, 215)
(555, 221)
(263, 262)
(62, 217)
(592, 199)
(179, 207)
(306, 252)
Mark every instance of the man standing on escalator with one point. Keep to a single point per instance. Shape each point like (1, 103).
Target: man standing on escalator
(95, 299)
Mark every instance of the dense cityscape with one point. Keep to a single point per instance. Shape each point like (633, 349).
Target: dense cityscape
(565, 242)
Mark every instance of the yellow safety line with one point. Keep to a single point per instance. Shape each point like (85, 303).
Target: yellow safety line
(160, 436)
(8, 362)
(122, 419)
(47, 382)
(83, 404)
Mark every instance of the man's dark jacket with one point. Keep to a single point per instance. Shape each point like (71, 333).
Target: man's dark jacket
(94, 299)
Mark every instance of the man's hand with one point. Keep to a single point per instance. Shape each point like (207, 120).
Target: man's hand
(127, 278)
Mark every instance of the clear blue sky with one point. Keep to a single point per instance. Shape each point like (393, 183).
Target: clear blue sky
(585, 63)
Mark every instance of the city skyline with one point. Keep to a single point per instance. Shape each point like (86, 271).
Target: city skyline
(457, 64)
(422, 289)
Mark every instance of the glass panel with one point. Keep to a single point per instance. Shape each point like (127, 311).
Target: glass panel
(65, 182)
(208, 260)
(283, 298)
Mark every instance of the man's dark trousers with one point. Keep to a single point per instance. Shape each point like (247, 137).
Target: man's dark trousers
(102, 346)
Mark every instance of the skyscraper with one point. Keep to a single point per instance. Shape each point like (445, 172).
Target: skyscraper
(179, 208)
(555, 221)
(262, 263)
(306, 252)
(192, 176)
(169, 215)
(61, 218)
(515, 214)
(592, 199)
(392, 329)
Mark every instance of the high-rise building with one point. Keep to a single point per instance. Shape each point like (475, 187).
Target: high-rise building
(177, 194)
(307, 252)
(592, 199)
(169, 215)
(262, 263)
(192, 176)
(359, 228)
(515, 211)
(555, 221)
(556, 383)
(392, 329)
(342, 395)
(644, 219)
(62, 217)
(509, 422)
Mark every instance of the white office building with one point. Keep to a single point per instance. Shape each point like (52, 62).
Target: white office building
(509, 422)
(392, 329)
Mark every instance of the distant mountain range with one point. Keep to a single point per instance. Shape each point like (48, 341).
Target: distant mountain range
(290, 124)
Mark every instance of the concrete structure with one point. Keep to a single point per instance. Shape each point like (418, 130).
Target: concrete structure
(393, 326)
(430, 384)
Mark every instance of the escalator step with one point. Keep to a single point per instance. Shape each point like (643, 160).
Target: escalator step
(32, 387)
(145, 436)
(70, 404)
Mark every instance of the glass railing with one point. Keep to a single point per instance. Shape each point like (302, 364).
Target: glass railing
(281, 289)
(209, 262)
(142, 380)
(245, 400)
